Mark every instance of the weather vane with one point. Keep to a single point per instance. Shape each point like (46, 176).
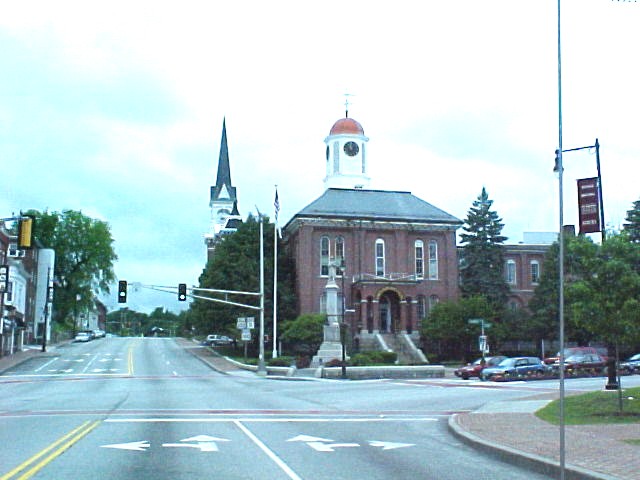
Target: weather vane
(346, 103)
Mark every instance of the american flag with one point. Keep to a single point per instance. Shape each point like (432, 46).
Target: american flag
(276, 204)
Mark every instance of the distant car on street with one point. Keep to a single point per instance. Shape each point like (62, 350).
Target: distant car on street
(515, 367)
(587, 363)
(215, 340)
(473, 369)
(83, 337)
(568, 352)
(631, 365)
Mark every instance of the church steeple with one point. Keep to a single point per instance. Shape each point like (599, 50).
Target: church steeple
(223, 201)
(223, 190)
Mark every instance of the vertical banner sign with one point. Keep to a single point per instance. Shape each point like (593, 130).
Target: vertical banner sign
(588, 205)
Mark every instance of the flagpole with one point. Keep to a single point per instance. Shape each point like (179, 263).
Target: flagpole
(276, 205)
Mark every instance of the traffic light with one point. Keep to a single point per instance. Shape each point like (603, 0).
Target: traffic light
(122, 291)
(182, 292)
(25, 232)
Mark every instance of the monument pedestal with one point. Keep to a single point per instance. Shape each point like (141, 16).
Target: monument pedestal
(331, 347)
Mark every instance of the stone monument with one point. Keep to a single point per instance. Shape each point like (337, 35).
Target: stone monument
(331, 347)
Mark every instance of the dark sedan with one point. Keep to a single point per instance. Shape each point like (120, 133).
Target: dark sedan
(514, 368)
(588, 363)
(631, 365)
(473, 369)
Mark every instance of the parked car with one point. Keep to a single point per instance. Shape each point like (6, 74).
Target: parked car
(631, 365)
(515, 367)
(590, 363)
(473, 369)
(570, 351)
(99, 333)
(218, 340)
(83, 337)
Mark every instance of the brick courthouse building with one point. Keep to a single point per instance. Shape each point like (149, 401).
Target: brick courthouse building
(396, 253)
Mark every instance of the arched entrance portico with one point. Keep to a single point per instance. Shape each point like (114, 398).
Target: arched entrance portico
(389, 311)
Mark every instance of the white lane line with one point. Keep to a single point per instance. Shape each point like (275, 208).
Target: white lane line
(48, 363)
(89, 364)
(275, 420)
(278, 461)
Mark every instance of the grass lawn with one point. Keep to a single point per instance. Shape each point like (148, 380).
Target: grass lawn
(595, 407)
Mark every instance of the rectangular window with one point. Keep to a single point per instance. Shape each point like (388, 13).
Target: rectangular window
(433, 260)
(535, 272)
(380, 258)
(419, 252)
(511, 272)
(324, 256)
(340, 255)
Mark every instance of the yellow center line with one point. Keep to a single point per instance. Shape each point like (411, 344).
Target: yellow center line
(73, 435)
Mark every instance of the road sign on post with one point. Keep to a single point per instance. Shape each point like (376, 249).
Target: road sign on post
(241, 323)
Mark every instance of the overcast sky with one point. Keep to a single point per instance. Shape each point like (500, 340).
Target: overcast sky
(117, 110)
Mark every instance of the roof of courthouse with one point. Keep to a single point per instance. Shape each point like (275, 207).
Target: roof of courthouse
(379, 205)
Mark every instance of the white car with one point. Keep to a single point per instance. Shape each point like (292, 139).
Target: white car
(82, 337)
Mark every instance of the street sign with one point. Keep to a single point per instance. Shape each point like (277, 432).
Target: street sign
(241, 323)
(482, 343)
(246, 335)
(251, 323)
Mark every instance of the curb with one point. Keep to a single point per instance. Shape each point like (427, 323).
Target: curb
(530, 461)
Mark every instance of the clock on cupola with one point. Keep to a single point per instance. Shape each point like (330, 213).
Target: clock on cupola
(346, 164)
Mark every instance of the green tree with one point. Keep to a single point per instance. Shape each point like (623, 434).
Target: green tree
(304, 334)
(482, 266)
(447, 333)
(236, 266)
(579, 253)
(632, 227)
(127, 322)
(84, 258)
(606, 301)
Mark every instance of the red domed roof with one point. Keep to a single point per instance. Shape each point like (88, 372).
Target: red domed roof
(346, 125)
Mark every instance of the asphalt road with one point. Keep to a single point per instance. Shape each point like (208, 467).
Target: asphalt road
(138, 408)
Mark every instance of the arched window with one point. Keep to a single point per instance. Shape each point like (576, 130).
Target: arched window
(324, 256)
(380, 257)
(340, 254)
(511, 272)
(336, 157)
(433, 260)
(421, 307)
(535, 272)
(419, 257)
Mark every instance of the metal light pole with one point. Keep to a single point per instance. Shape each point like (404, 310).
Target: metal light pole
(261, 366)
(561, 258)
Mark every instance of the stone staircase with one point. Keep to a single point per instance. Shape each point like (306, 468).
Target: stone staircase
(408, 354)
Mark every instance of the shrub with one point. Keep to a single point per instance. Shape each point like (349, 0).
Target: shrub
(280, 362)
(373, 358)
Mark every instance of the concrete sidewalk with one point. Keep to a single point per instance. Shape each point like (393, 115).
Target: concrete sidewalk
(511, 431)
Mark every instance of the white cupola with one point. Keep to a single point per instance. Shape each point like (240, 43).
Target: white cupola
(346, 165)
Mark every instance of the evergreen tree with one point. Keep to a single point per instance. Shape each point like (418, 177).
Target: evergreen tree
(482, 268)
(632, 228)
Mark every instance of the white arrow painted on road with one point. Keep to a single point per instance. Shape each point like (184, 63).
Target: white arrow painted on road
(205, 443)
(307, 438)
(140, 446)
(329, 447)
(389, 445)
